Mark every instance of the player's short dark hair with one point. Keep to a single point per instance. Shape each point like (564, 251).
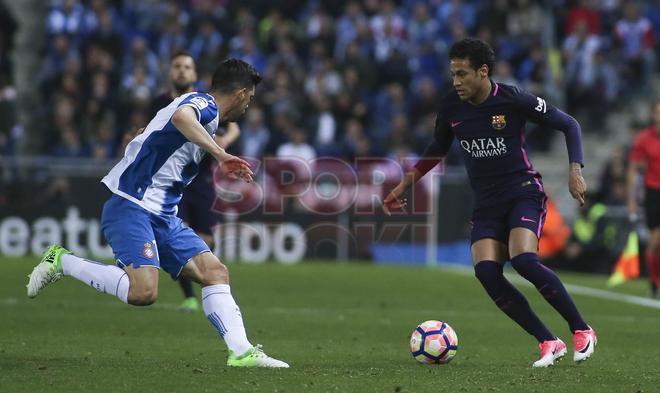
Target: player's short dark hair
(476, 51)
(234, 74)
(180, 54)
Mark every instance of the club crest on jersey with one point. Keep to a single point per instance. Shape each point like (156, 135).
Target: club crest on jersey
(498, 122)
(148, 252)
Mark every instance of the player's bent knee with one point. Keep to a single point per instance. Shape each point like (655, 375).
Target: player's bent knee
(215, 273)
(485, 269)
(142, 296)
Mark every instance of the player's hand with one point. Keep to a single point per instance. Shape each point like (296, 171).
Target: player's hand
(235, 168)
(576, 184)
(395, 200)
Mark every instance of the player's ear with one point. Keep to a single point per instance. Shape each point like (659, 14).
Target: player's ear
(483, 71)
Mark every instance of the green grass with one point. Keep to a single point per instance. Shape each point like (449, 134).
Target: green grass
(343, 328)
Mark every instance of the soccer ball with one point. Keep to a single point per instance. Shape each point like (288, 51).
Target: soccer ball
(433, 342)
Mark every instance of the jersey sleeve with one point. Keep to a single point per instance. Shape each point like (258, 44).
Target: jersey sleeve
(203, 105)
(637, 152)
(537, 110)
(443, 136)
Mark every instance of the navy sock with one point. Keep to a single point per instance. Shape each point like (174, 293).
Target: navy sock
(186, 287)
(549, 285)
(510, 300)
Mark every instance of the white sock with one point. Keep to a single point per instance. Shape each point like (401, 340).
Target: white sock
(100, 276)
(221, 309)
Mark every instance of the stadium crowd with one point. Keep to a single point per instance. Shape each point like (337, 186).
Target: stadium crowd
(344, 78)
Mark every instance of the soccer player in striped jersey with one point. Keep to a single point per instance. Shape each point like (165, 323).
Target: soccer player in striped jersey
(139, 220)
(488, 121)
(195, 207)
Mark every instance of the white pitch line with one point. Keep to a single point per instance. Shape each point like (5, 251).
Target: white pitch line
(603, 294)
(577, 289)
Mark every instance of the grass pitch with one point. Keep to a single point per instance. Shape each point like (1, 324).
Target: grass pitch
(343, 328)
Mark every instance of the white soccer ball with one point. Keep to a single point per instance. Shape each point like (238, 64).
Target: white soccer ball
(433, 342)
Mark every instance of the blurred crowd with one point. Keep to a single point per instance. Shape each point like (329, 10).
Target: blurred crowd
(343, 78)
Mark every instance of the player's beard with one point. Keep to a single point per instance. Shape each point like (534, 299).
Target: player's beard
(182, 88)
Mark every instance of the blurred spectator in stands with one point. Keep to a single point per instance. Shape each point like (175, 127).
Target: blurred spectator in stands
(323, 127)
(297, 147)
(9, 129)
(106, 37)
(65, 16)
(652, 12)
(614, 172)
(254, 134)
(326, 80)
(524, 21)
(399, 132)
(347, 26)
(503, 73)
(583, 12)
(452, 11)
(635, 38)
(390, 102)
(579, 53)
(70, 145)
(423, 29)
(356, 58)
(57, 55)
(353, 134)
(140, 55)
(207, 42)
(102, 144)
(138, 86)
(173, 40)
(425, 100)
(286, 58)
(387, 24)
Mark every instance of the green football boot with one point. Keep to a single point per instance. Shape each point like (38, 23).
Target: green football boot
(47, 271)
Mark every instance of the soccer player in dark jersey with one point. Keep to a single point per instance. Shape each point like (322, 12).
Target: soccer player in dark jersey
(645, 158)
(198, 197)
(488, 120)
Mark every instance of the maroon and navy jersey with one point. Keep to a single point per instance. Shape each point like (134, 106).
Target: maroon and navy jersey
(491, 136)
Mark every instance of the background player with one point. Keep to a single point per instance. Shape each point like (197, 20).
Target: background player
(139, 221)
(488, 120)
(645, 158)
(198, 197)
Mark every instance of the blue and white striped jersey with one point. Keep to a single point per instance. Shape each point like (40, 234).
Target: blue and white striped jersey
(160, 162)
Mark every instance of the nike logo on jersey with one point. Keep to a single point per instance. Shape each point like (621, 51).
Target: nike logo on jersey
(455, 123)
(523, 218)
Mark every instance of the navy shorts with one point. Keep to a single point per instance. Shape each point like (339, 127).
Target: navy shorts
(141, 238)
(652, 207)
(526, 210)
(195, 207)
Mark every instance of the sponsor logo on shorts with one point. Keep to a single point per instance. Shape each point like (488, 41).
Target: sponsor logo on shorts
(148, 251)
(523, 218)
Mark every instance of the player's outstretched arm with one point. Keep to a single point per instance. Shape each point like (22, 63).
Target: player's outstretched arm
(443, 137)
(396, 198)
(185, 120)
(576, 184)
